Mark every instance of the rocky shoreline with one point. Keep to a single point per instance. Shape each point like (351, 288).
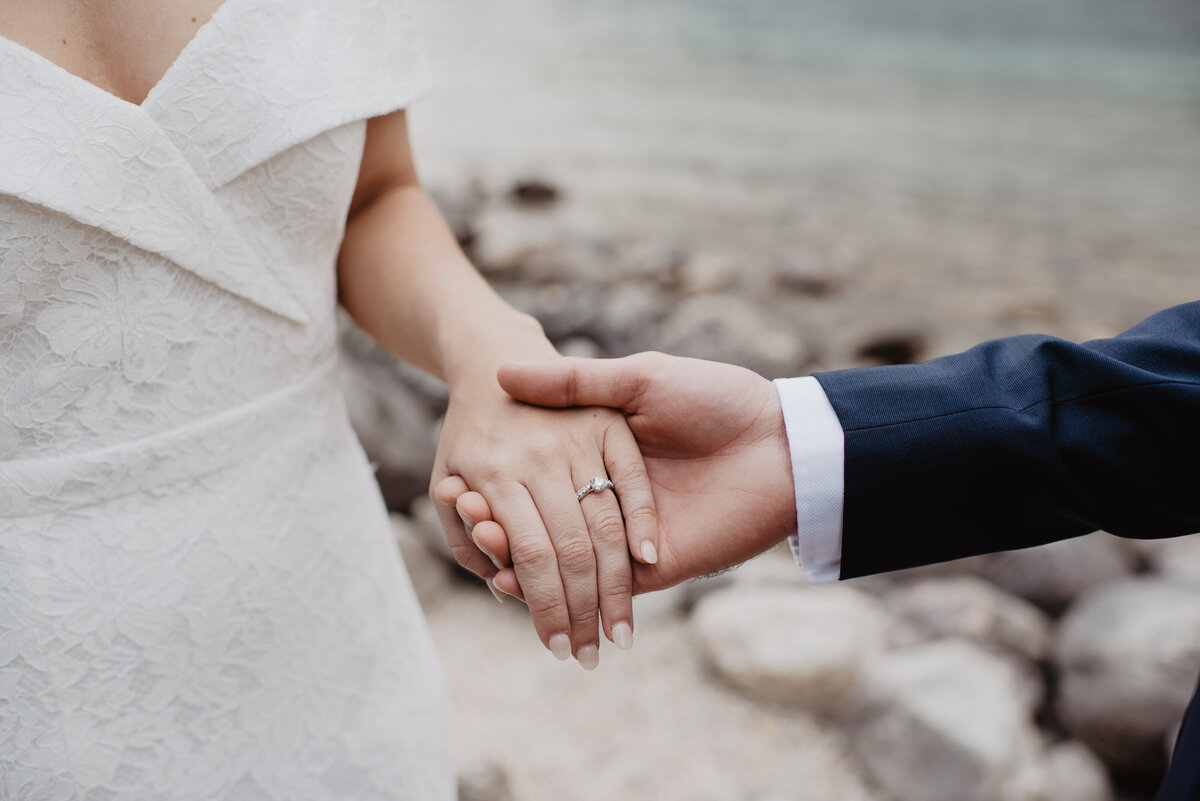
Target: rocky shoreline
(1052, 673)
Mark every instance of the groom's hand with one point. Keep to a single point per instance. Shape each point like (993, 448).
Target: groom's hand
(713, 439)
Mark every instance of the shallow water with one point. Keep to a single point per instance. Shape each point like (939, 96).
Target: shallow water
(976, 168)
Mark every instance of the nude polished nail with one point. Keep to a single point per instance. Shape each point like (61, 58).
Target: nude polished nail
(622, 634)
(589, 657)
(491, 556)
(495, 590)
(649, 553)
(560, 646)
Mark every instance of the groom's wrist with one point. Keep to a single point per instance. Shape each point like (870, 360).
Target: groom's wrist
(816, 446)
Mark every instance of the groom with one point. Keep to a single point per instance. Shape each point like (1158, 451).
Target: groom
(1014, 443)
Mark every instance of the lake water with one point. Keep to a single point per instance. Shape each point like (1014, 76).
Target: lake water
(1041, 154)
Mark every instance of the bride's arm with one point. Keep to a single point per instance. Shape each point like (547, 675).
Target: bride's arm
(404, 279)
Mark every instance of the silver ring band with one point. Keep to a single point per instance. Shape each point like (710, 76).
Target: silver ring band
(597, 484)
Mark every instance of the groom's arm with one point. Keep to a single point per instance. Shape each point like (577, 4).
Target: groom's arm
(1019, 442)
(1014, 443)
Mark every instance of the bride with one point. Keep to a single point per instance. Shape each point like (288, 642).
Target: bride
(198, 594)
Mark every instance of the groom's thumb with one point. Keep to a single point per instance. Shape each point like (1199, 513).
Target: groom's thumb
(577, 382)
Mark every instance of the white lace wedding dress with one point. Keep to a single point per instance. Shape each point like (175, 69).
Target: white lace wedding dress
(199, 597)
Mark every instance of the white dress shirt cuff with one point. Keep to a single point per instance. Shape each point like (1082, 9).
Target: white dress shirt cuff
(817, 446)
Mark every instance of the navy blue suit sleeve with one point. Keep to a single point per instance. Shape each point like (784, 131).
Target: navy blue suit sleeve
(1020, 442)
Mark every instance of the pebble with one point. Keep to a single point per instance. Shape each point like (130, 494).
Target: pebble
(972, 608)
(945, 721)
(782, 645)
(1127, 655)
(1053, 575)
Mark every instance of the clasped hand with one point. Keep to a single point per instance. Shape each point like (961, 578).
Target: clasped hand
(698, 455)
(571, 559)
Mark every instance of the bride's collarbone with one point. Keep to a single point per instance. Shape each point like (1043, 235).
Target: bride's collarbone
(124, 47)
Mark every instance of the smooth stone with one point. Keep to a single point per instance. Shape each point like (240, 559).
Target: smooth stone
(972, 608)
(798, 647)
(1066, 771)
(1127, 655)
(946, 721)
(1178, 559)
(488, 782)
(728, 328)
(1053, 575)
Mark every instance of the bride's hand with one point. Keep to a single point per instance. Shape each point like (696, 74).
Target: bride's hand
(571, 554)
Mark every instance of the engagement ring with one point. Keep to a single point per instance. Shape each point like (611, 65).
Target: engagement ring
(597, 484)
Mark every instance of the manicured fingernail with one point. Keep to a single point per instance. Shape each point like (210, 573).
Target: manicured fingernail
(495, 590)
(589, 657)
(560, 646)
(649, 553)
(622, 634)
(490, 555)
(468, 521)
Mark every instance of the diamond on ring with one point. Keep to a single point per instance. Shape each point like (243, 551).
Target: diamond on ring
(597, 484)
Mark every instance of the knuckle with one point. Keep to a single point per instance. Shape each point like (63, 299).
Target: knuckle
(616, 595)
(634, 475)
(543, 449)
(494, 472)
(575, 556)
(607, 527)
(549, 607)
(585, 621)
(531, 553)
(642, 514)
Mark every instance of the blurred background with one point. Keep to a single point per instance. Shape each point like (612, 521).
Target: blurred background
(800, 185)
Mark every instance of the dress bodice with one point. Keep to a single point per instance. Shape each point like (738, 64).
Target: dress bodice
(164, 262)
(200, 599)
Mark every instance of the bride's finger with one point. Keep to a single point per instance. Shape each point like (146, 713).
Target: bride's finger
(631, 483)
(614, 578)
(490, 538)
(535, 560)
(474, 510)
(445, 495)
(574, 546)
(506, 582)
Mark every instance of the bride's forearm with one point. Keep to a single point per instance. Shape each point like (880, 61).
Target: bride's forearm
(405, 281)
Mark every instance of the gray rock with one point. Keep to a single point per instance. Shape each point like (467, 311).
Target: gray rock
(1177, 559)
(774, 567)
(972, 608)
(488, 782)
(731, 329)
(1169, 740)
(1053, 575)
(628, 317)
(802, 647)
(564, 311)
(1067, 771)
(580, 347)
(707, 272)
(544, 244)
(807, 277)
(1127, 656)
(654, 607)
(461, 206)
(943, 722)
(359, 348)
(510, 243)
(393, 422)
